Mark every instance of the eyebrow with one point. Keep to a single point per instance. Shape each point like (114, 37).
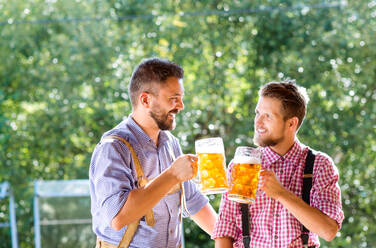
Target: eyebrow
(177, 94)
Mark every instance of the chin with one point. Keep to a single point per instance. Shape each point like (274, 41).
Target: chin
(173, 125)
(170, 126)
(256, 141)
(263, 142)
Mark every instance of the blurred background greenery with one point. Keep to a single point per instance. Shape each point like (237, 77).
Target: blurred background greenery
(65, 68)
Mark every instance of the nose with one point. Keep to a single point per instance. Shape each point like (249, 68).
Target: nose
(180, 104)
(258, 120)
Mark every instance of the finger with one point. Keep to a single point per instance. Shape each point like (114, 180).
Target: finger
(265, 172)
(262, 184)
(194, 168)
(264, 177)
(192, 157)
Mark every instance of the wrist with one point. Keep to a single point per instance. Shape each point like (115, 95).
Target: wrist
(172, 175)
(283, 195)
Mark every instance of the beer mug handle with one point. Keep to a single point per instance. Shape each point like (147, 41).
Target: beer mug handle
(195, 178)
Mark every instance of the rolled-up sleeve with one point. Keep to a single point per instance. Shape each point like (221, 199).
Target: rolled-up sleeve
(111, 179)
(195, 200)
(226, 222)
(326, 193)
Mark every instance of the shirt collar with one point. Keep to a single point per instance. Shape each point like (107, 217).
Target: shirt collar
(295, 151)
(271, 157)
(143, 137)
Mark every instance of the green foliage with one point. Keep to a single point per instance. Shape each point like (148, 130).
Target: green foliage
(64, 82)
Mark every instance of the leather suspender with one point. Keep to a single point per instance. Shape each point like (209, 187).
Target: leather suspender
(306, 190)
(142, 181)
(245, 224)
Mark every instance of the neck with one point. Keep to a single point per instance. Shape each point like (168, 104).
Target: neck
(147, 124)
(283, 147)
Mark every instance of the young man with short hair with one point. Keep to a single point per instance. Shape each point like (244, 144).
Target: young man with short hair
(278, 213)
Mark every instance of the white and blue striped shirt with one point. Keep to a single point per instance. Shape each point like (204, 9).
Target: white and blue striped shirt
(112, 176)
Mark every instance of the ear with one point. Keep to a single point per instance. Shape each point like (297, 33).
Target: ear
(293, 123)
(145, 99)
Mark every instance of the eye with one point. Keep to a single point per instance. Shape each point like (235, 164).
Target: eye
(174, 99)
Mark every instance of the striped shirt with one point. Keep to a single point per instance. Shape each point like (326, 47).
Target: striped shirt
(271, 224)
(112, 176)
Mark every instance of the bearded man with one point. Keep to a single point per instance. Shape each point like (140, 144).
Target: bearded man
(138, 173)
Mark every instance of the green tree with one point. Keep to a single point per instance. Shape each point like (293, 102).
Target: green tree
(66, 66)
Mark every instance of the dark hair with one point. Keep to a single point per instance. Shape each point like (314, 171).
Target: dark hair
(150, 71)
(294, 98)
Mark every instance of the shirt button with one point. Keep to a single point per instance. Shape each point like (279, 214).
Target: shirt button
(275, 237)
(277, 215)
(171, 231)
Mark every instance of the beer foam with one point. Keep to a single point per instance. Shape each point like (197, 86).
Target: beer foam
(209, 145)
(246, 160)
(211, 149)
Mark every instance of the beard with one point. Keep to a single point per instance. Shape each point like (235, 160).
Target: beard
(268, 140)
(162, 120)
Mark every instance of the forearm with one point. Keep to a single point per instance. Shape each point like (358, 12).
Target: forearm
(205, 218)
(223, 242)
(312, 218)
(143, 199)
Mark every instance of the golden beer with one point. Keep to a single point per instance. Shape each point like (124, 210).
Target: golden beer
(212, 173)
(211, 166)
(244, 175)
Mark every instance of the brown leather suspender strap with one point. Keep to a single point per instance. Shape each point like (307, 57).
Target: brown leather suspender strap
(142, 181)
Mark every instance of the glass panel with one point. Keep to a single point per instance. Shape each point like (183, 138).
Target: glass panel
(66, 222)
(64, 208)
(62, 188)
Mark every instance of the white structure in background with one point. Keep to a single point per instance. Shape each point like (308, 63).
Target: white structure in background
(57, 188)
(62, 188)
(6, 192)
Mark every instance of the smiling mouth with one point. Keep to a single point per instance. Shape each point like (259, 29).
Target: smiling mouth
(260, 130)
(172, 113)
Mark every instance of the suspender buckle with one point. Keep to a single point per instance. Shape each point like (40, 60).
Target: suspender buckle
(304, 237)
(246, 240)
(142, 181)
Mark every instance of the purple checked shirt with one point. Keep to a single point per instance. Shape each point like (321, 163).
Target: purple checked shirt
(112, 176)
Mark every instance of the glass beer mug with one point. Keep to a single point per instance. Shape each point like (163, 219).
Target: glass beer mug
(245, 174)
(211, 166)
